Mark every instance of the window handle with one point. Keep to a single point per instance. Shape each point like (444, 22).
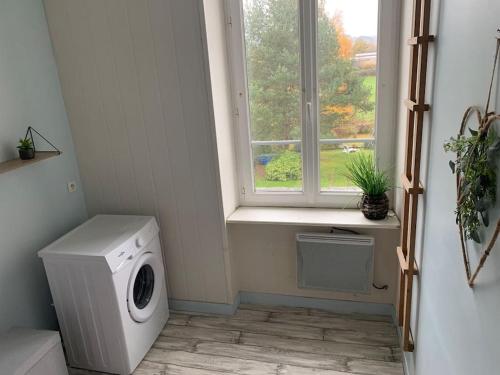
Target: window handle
(308, 114)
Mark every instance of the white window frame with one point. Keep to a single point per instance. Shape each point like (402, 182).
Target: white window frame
(385, 112)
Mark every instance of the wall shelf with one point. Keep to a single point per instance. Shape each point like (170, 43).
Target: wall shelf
(13, 164)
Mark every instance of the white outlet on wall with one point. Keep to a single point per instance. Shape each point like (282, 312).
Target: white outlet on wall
(72, 186)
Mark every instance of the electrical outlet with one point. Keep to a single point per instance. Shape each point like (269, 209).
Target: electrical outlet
(72, 186)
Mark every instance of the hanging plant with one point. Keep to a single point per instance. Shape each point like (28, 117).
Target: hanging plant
(476, 170)
(476, 177)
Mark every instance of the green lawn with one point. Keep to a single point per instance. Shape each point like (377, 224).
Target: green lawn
(332, 170)
(371, 82)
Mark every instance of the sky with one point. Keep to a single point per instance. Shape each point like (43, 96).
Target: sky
(360, 16)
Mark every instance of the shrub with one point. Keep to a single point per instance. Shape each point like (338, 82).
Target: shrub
(288, 166)
(365, 129)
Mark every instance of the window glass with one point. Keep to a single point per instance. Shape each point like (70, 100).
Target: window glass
(272, 48)
(346, 70)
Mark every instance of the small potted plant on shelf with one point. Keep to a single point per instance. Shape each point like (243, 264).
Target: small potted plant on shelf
(26, 149)
(363, 173)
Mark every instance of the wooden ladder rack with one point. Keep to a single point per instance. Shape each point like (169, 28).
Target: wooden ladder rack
(419, 44)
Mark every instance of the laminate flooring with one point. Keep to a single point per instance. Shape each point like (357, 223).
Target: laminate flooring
(270, 340)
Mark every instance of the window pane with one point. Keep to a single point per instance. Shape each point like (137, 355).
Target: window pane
(272, 47)
(347, 59)
(277, 167)
(332, 160)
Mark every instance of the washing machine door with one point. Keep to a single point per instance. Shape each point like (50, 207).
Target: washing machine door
(144, 286)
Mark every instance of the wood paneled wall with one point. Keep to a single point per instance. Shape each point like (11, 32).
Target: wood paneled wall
(134, 80)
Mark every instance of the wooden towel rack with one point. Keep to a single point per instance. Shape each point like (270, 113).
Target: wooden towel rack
(416, 108)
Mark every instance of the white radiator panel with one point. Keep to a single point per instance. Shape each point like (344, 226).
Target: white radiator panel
(336, 262)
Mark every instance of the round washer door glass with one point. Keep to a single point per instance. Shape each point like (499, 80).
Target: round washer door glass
(145, 287)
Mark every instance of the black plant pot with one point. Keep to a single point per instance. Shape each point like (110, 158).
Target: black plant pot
(26, 153)
(375, 207)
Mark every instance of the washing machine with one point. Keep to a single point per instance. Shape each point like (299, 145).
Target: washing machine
(107, 281)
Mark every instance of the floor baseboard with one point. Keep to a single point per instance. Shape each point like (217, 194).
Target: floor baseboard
(255, 298)
(204, 307)
(339, 306)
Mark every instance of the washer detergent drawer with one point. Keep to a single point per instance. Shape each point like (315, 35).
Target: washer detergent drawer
(132, 248)
(118, 259)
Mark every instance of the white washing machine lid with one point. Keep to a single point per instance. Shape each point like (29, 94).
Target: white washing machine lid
(102, 235)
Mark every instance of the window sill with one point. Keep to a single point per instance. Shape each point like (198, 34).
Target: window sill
(321, 217)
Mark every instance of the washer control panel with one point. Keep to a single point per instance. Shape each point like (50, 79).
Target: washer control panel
(130, 248)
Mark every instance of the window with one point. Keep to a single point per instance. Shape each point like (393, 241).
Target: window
(315, 84)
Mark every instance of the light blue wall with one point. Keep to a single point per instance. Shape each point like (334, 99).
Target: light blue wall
(458, 327)
(35, 206)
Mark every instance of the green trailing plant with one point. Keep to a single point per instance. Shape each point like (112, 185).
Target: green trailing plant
(476, 172)
(287, 166)
(25, 144)
(362, 171)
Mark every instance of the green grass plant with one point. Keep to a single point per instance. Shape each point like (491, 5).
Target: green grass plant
(363, 172)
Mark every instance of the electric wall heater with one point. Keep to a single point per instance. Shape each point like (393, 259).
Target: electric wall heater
(336, 262)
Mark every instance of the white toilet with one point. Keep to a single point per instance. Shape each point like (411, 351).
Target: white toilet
(31, 352)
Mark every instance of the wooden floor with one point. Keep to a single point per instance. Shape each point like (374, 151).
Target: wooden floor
(263, 340)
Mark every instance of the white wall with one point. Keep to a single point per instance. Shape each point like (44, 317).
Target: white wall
(135, 84)
(265, 258)
(457, 328)
(221, 98)
(35, 206)
(220, 83)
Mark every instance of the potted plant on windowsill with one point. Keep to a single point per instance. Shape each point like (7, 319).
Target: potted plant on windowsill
(26, 149)
(363, 173)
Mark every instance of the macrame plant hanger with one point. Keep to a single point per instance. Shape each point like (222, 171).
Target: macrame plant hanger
(485, 120)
